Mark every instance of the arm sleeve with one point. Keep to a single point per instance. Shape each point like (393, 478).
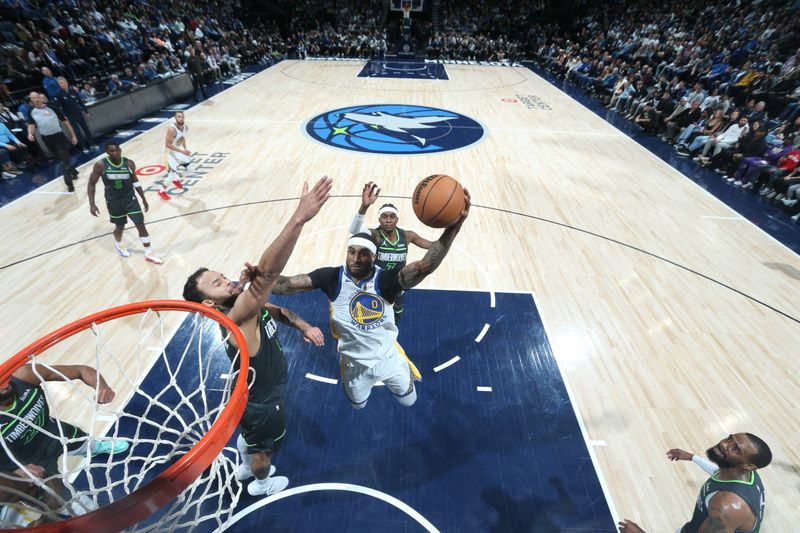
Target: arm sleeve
(357, 225)
(705, 464)
(388, 284)
(326, 279)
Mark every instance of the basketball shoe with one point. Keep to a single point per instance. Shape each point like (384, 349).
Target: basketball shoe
(267, 487)
(153, 258)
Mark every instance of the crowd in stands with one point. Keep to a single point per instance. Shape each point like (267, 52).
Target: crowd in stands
(720, 81)
(76, 52)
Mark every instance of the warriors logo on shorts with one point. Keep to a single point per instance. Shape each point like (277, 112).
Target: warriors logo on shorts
(366, 309)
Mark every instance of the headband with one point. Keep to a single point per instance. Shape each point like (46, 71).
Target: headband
(360, 240)
(388, 209)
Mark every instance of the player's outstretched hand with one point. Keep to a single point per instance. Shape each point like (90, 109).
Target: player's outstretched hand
(314, 336)
(370, 193)
(465, 211)
(249, 273)
(311, 201)
(626, 526)
(36, 470)
(676, 454)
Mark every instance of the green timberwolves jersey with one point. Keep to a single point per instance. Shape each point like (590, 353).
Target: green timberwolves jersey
(751, 492)
(118, 180)
(392, 254)
(268, 364)
(22, 423)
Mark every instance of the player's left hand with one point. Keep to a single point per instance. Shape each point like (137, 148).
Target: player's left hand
(145, 205)
(74, 140)
(627, 526)
(314, 336)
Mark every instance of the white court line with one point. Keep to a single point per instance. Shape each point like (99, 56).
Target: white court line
(576, 410)
(52, 192)
(483, 272)
(598, 443)
(452, 361)
(484, 389)
(322, 379)
(346, 487)
(479, 338)
(723, 218)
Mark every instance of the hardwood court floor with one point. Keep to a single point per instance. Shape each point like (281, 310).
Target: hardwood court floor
(674, 320)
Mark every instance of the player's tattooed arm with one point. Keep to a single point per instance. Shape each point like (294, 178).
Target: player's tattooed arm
(292, 284)
(413, 273)
(310, 333)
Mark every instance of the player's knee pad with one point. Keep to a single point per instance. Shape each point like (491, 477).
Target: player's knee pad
(408, 399)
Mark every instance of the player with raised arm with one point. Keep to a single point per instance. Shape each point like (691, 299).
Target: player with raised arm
(263, 424)
(360, 293)
(178, 155)
(392, 242)
(119, 180)
(732, 499)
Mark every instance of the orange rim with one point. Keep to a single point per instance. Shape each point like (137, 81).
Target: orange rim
(145, 501)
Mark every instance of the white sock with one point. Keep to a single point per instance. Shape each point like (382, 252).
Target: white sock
(247, 459)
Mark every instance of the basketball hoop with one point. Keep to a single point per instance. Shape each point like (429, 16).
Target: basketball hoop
(406, 7)
(187, 457)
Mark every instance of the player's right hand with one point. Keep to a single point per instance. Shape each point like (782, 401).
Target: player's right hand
(676, 454)
(628, 526)
(249, 273)
(36, 470)
(465, 211)
(370, 194)
(94, 210)
(312, 201)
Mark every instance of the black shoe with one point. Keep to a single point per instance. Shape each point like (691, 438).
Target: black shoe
(70, 187)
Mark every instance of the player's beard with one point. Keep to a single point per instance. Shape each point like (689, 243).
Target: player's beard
(228, 304)
(719, 460)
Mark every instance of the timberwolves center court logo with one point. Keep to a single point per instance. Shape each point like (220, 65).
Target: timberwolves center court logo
(394, 129)
(366, 310)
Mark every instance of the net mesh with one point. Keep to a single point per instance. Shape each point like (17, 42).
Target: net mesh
(168, 395)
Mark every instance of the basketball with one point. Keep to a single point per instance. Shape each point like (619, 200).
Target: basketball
(438, 200)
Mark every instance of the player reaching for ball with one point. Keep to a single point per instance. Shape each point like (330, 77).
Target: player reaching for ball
(360, 293)
(392, 241)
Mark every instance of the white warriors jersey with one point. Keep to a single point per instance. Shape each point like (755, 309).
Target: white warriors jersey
(180, 135)
(362, 321)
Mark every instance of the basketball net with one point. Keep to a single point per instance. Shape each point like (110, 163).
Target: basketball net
(167, 406)
(406, 7)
